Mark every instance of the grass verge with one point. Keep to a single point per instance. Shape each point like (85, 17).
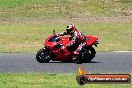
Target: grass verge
(48, 80)
(29, 37)
(41, 9)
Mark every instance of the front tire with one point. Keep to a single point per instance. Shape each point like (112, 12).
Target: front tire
(43, 56)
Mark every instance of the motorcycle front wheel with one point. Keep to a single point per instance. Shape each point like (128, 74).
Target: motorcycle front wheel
(43, 56)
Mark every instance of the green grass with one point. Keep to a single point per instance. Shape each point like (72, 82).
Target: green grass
(23, 37)
(48, 80)
(43, 9)
(30, 37)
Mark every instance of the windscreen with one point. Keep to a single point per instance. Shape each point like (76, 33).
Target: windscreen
(53, 39)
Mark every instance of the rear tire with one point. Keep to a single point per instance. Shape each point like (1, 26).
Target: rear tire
(87, 54)
(92, 54)
(43, 56)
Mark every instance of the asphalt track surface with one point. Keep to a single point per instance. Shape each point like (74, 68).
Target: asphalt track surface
(104, 62)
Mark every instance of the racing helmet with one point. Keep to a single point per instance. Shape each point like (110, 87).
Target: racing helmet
(70, 29)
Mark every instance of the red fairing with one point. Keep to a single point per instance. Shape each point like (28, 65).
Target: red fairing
(91, 40)
(49, 44)
(57, 46)
(60, 54)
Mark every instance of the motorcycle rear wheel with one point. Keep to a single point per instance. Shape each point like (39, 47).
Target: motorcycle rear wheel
(87, 54)
(43, 56)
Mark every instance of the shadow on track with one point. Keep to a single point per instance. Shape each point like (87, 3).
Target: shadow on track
(73, 62)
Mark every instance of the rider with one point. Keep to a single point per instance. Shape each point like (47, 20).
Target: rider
(77, 39)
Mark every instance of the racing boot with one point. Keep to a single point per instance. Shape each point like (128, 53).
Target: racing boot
(75, 53)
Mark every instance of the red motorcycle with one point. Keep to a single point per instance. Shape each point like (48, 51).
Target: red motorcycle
(55, 49)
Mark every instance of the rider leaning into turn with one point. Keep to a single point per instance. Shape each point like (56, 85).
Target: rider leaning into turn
(77, 38)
